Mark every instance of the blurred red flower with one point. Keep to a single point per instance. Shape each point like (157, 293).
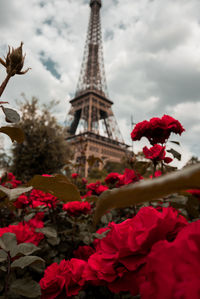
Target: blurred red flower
(156, 153)
(76, 208)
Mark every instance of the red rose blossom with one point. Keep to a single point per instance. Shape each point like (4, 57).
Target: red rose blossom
(123, 252)
(194, 192)
(40, 198)
(24, 233)
(96, 188)
(53, 282)
(157, 130)
(84, 181)
(11, 181)
(112, 178)
(64, 279)
(129, 176)
(76, 208)
(74, 175)
(156, 174)
(173, 269)
(22, 201)
(83, 252)
(156, 153)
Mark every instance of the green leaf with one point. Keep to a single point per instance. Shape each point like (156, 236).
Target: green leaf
(15, 192)
(3, 268)
(175, 154)
(51, 235)
(15, 134)
(11, 115)
(8, 241)
(148, 190)
(49, 232)
(175, 142)
(25, 287)
(3, 255)
(25, 261)
(57, 185)
(25, 249)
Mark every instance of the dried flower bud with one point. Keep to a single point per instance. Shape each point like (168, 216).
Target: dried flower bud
(14, 61)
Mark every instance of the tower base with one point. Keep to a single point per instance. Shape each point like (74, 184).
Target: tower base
(90, 144)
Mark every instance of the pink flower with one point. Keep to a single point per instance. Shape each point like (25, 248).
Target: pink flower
(76, 208)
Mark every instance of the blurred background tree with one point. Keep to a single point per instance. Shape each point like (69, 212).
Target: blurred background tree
(45, 149)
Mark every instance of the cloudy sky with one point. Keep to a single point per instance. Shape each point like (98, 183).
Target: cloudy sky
(151, 54)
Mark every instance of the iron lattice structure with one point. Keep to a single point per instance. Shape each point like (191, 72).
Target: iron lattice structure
(92, 75)
(91, 118)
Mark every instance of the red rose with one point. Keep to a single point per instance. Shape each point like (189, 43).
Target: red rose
(156, 153)
(194, 192)
(173, 269)
(96, 188)
(168, 160)
(22, 202)
(74, 175)
(40, 198)
(156, 174)
(65, 278)
(74, 278)
(84, 181)
(36, 221)
(89, 193)
(125, 248)
(24, 233)
(76, 208)
(157, 130)
(53, 282)
(129, 176)
(83, 252)
(112, 178)
(140, 130)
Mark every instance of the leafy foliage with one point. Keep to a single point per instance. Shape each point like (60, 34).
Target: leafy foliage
(44, 149)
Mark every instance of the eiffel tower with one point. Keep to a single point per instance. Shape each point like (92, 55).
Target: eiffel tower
(91, 125)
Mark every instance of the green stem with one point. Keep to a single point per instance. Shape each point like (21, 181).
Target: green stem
(8, 275)
(4, 83)
(154, 167)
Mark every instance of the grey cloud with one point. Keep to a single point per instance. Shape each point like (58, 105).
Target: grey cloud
(51, 66)
(108, 35)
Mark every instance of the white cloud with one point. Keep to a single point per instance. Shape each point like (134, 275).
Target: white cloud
(151, 51)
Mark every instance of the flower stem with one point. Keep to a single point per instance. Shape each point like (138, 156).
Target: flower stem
(4, 83)
(8, 275)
